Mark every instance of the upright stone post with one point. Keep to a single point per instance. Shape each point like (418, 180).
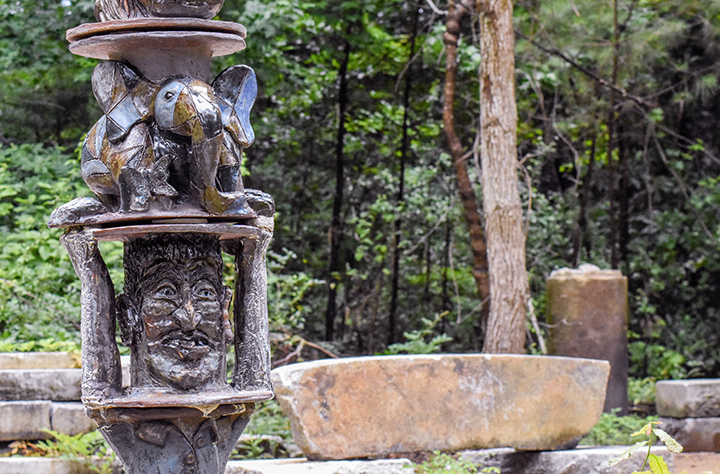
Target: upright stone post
(164, 163)
(587, 313)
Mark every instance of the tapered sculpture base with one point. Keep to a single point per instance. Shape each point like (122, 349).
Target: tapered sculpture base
(175, 440)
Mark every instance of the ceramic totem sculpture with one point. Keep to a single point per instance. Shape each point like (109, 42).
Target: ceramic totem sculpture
(164, 163)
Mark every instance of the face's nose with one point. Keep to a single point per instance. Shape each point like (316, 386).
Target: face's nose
(186, 317)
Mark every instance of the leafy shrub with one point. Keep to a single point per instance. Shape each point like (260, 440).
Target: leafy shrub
(287, 292)
(442, 463)
(49, 344)
(641, 391)
(421, 341)
(269, 419)
(90, 449)
(269, 431)
(39, 292)
(612, 429)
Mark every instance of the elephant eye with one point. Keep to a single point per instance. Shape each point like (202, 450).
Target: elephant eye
(169, 95)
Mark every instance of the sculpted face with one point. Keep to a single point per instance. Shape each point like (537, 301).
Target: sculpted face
(184, 316)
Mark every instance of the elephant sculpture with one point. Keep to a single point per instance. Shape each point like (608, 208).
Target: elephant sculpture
(156, 139)
(108, 10)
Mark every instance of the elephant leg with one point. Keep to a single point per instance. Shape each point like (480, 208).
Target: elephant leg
(101, 181)
(217, 201)
(207, 158)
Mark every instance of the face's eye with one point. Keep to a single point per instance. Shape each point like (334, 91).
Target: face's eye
(204, 291)
(169, 95)
(166, 290)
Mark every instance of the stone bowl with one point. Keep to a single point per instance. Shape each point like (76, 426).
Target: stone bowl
(375, 406)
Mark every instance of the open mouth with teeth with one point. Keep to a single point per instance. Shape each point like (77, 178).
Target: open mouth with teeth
(186, 347)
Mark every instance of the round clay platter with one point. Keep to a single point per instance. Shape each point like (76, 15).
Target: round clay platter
(154, 24)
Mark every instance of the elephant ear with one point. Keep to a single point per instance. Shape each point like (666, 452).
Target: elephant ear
(236, 90)
(121, 93)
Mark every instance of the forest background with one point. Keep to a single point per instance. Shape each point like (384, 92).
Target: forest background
(618, 166)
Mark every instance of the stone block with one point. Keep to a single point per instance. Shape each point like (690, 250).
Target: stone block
(583, 460)
(698, 398)
(40, 384)
(371, 406)
(39, 360)
(24, 420)
(69, 418)
(303, 466)
(587, 310)
(696, 463)
(694, 434)
(45, 466)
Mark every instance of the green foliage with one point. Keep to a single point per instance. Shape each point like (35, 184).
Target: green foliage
(49, 344)
(269, 419)
(269, 433)
(39, 292)
(657, 361)
(442, 463)
(287, 293)
(44, 90)
(416, 340)
(89, 448)
(641, 391)
(254, 448)
(612, 429)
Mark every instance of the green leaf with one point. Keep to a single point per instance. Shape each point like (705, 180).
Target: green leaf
(669, 441)
(629, 452)
(657, 465)
(656, 115)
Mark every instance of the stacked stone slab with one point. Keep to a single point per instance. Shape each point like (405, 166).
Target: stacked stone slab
(40, 391)
(690, 411)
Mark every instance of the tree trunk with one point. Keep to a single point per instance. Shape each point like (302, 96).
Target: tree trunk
(336, 226)
(467, 193)
(404, 145)
(624, 205)
(612, 136)
(580, 237)
(509, 289)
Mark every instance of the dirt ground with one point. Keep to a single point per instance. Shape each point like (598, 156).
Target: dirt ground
(697, 463)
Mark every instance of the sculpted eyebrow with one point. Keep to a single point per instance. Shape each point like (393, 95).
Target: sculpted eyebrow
(162, 269)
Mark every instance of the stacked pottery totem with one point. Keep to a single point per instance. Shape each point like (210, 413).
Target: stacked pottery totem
(164, 164)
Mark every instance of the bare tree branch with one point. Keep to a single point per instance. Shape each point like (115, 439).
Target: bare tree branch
(435, 9)
(556, 52)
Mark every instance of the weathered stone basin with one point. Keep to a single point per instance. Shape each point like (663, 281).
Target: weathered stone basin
(374, 406)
